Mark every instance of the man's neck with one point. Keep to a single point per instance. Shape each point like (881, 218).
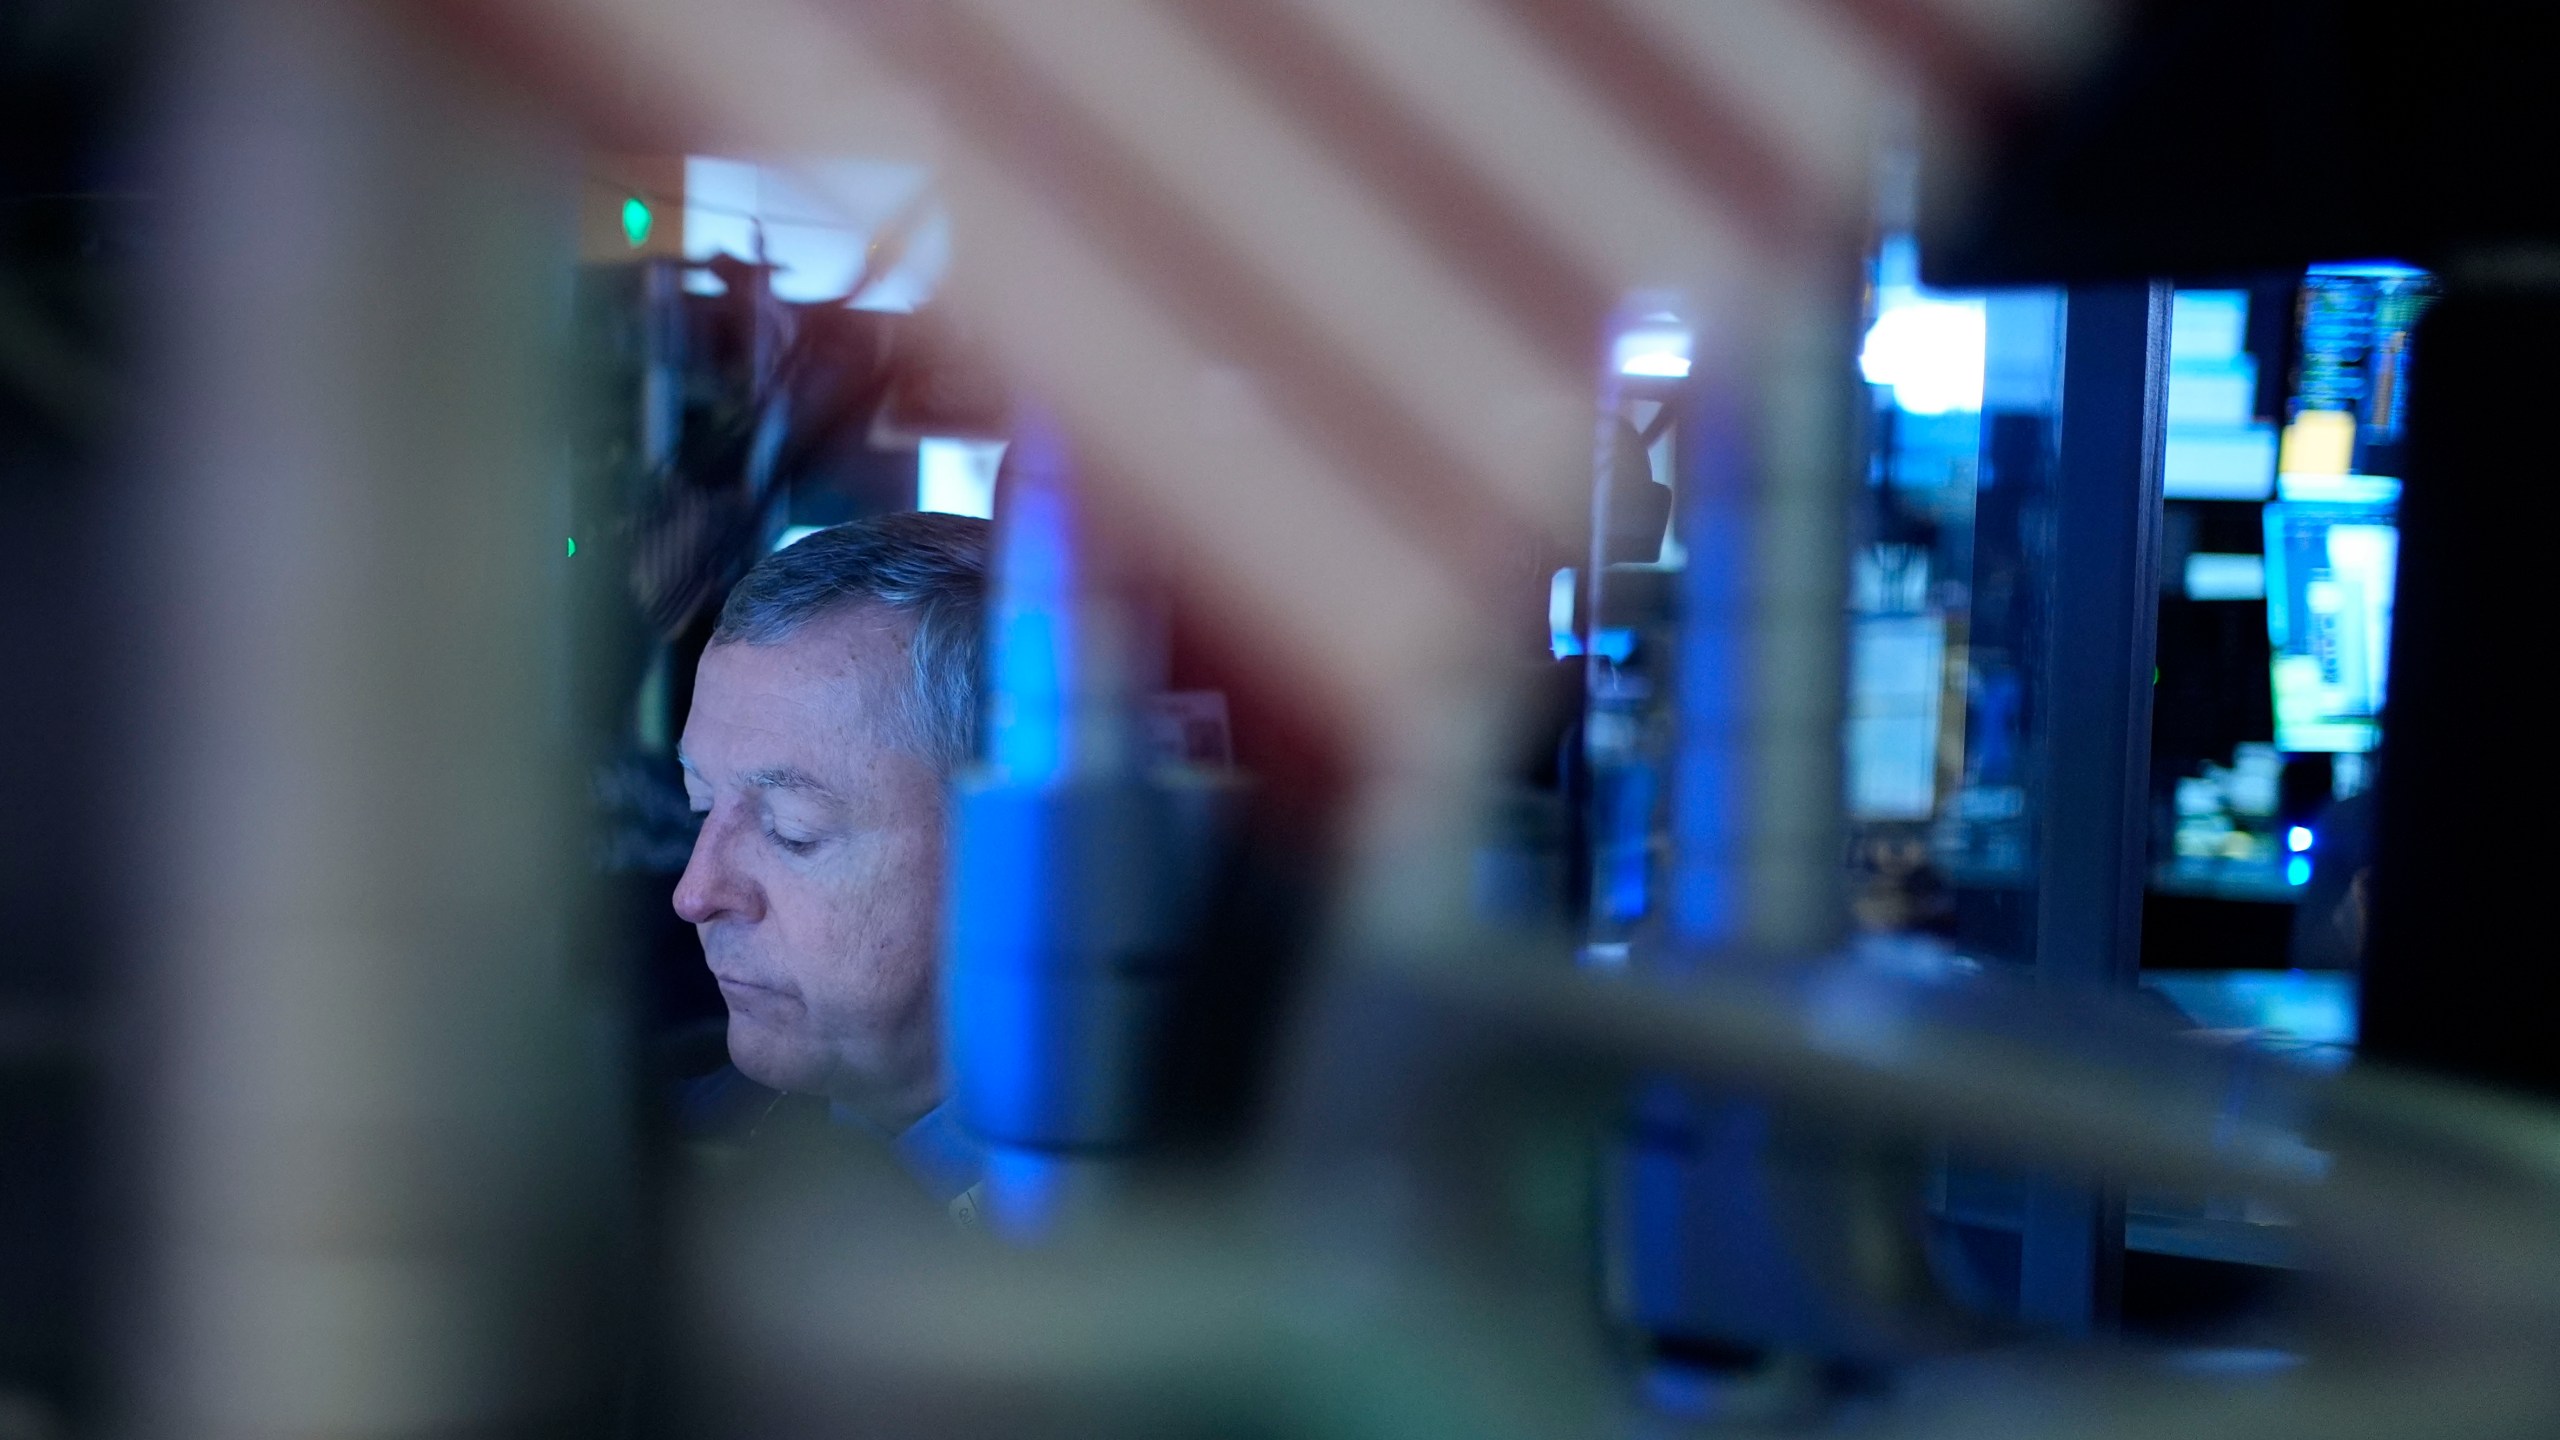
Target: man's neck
(889, 1112)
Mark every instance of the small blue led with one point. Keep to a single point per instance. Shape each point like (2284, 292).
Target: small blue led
(2298, 839)
(2297, 871)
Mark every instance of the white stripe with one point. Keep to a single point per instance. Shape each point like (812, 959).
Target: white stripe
(768, 76)
(1411, 329)
(1546, 143)
(1810, 86)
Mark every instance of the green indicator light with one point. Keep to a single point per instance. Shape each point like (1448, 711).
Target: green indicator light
(573, 546)
(636, 221)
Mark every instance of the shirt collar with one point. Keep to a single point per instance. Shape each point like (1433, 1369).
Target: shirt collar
(935, 1150)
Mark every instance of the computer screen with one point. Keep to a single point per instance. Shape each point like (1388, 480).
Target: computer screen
(2333, 546)
(2216, 446)
(2331, 568)
(2351, 373)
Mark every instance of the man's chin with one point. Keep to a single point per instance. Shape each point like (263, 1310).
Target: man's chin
(772, 1061)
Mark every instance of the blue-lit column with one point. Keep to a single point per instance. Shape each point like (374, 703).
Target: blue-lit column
(1766, 475)
(1078, 879)
(1039, 1068)
(1711, 1241)
(2101, 599)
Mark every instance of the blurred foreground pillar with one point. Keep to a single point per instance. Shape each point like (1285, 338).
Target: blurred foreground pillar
(377, 1133)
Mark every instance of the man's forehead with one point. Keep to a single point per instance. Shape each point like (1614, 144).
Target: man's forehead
(790, 706)
(858, 642)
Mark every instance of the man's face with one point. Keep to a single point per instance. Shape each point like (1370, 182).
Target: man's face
(816, 882)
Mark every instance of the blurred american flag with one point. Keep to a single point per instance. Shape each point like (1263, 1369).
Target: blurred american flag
(1321, 287)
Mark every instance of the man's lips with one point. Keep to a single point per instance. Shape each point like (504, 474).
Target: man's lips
(732, 982)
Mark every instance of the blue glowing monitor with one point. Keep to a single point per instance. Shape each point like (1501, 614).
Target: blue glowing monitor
(2331, 572)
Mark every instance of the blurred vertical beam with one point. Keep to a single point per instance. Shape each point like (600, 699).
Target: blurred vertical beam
(1714, 1245)
(1765, 476)
(377, 1114)
(2102, 617)
(1800, 663)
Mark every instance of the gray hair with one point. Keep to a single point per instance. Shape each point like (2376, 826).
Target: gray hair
(929, 567)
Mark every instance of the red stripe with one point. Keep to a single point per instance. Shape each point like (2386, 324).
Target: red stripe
(1711, 144)
(1514, 265)
(1026, 124)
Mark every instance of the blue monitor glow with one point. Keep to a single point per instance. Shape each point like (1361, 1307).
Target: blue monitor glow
(2351, 372)
(2332, 542)
(2331, 571)
(2309, 1014)
(1897, 675)
(2216, 447)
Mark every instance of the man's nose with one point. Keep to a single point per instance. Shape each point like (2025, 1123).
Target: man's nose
(711, 888)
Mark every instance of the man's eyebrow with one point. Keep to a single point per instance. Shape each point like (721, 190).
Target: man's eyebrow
(784, 777)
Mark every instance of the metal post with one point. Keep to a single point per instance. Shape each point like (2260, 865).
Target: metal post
(380, 1105)
(2101, 612)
